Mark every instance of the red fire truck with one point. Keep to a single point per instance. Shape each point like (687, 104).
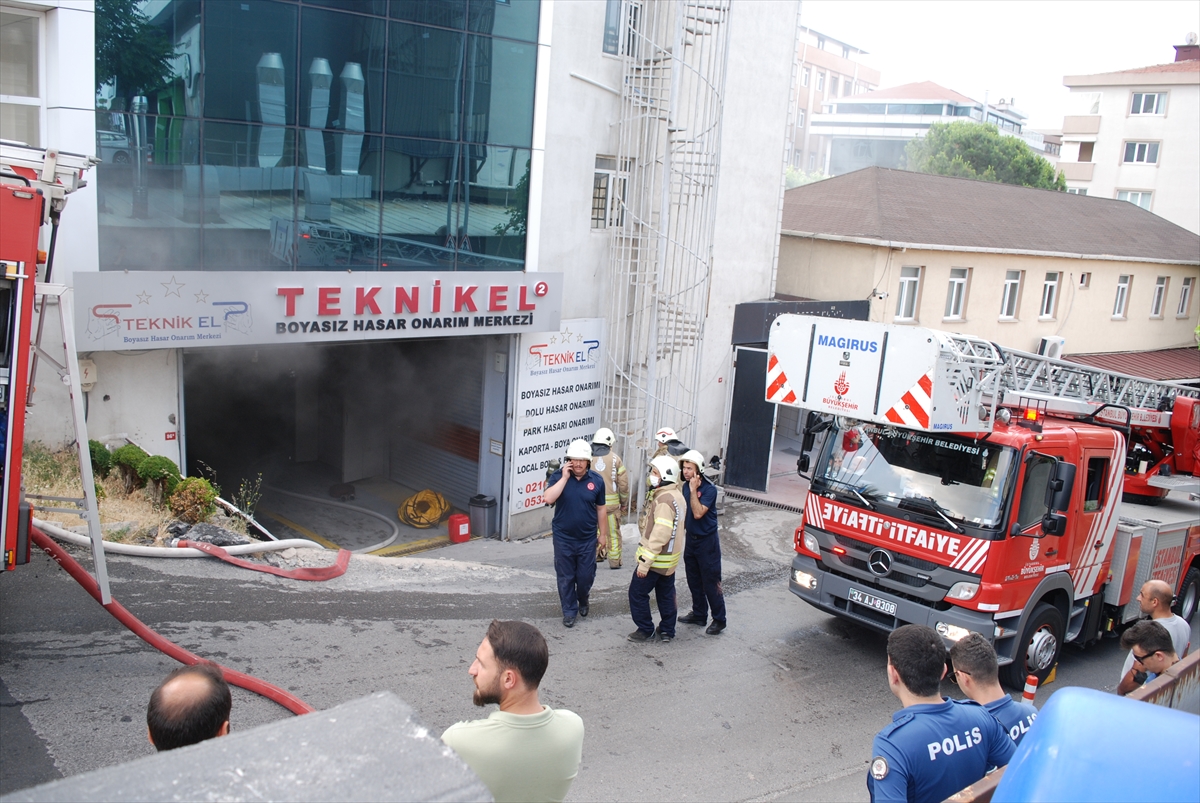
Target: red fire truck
(34, 185)
(968, 488)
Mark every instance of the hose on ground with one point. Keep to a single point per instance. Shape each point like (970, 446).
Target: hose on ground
(240, 679)
(318, 500)
(172, 552)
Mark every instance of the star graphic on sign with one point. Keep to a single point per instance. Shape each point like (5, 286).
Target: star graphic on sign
(173, 287)
(143, 297)
(553, 339)
(566, 335)
(201, 297)
(578, 338)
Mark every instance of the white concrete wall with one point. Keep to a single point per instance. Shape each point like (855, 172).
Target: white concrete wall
(68, 40)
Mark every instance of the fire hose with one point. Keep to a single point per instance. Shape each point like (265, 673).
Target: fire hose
(135, 625)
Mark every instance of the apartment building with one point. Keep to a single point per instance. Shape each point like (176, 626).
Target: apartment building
(828, 69)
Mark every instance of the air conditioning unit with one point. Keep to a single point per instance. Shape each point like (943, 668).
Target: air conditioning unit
(1052, 347)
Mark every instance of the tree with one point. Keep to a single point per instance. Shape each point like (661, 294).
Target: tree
(967, 149)
(795, 177)
(130, 49)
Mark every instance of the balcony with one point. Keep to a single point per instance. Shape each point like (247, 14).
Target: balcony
(1077, 171)
(1081, 124)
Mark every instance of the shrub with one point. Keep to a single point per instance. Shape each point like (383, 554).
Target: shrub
(102, 462)
(161, 475)
(193, 500)
(127, 459)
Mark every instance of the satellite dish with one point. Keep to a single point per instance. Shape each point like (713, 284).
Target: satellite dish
(1190, 38)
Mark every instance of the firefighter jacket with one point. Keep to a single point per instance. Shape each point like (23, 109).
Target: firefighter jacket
(662, 534)
(616, 479)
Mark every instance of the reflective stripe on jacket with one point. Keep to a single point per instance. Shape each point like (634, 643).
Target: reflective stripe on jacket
(662, 534)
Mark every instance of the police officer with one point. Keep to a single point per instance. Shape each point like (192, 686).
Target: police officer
(702, 554)
(608, 464)
(934, 746)
(974, 668)
(658, 555)
(580, 523)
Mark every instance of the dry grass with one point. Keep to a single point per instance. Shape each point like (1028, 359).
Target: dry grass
(56, 473)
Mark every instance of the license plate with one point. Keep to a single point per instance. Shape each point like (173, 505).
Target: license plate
(866, 600)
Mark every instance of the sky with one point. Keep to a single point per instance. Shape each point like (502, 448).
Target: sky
(1012, 49)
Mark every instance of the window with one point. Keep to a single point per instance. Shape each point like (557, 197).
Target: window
(20, 79)
(805, 75)
(1049, 295)
(1160, 295)
(1122, 299)
(906, 300)
(1085, 151)
(1141, 153)
(1185, 298)
(1097, 474)
(1085, 280)
(1038, 468)
(812, 161)
(820, 82)
(845, 52)
(800, 121)
(1011, 296)
(956, 294)
(1141, 199)
(612, 27)
(820, 43)
(1076, 191)
(1149, 103)
(608, 188)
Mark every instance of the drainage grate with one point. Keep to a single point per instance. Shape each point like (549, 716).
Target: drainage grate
(764, 502)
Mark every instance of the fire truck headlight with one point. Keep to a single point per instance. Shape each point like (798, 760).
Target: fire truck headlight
(963, 591)
(952, 632)
(811, 545)
(804, 580)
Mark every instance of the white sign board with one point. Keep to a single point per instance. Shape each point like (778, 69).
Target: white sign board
(174, 309)
(558, 399)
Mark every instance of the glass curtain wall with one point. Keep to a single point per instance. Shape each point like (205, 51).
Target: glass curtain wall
(321, 134)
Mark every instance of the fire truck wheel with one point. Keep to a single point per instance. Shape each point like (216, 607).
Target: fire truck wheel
(1040, 645)
(1188, 594)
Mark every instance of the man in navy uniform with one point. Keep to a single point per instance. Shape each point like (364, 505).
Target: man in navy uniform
(580, 522)
(934, 746)
(976, 671)
(702, 553)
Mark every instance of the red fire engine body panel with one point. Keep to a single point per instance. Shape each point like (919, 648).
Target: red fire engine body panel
(21, 211)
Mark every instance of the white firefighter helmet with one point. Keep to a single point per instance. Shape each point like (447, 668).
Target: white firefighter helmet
(665, 435)
(668, 469)
(695, 458)
(579, 450)
(604, 436)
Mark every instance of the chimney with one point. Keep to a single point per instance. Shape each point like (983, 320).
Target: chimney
(1189, 51)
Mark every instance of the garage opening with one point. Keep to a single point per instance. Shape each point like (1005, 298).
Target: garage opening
(362, 426)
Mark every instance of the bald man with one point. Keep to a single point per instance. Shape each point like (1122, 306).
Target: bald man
(191, 705)
(1155, 601)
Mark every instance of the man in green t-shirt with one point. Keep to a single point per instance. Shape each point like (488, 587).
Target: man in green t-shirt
(526, 751)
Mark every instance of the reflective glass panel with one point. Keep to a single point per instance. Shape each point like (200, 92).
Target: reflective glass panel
(341, 64)
(250, 61)
(425, 72)
(499, 91)
(443, 13)
(248, 182)
(339, 218)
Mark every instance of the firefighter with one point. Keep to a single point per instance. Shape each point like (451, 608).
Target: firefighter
(702, 555)
(580, 522)
(658, 555)
(668, 444)
(608, 464)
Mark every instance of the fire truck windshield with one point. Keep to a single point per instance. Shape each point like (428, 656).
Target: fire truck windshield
(950, 479)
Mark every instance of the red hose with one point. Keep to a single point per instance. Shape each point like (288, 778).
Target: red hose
(286, 699)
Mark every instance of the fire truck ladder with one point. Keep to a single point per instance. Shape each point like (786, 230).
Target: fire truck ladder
(1027, 374)
(56, 175)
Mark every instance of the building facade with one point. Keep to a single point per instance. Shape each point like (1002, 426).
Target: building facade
(1131, 135)
(828, 69)
(322, 183)
(1028, 269)
(872, 129)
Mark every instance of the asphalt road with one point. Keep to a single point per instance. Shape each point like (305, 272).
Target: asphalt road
(782, 706)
